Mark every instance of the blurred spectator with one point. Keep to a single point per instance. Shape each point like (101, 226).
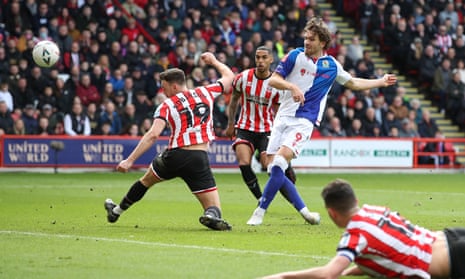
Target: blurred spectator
(455, 91)
(5, 95)
(220, 116)
(428, 65)
(94, 118)
(407, 129)
(77, 122)
(145, 125)
(398, 108)
(44, 128)
(401, 45)
(415, 106)
(144, 107)
(47, 98)
(444, 40)
(356, 129)
(389, 122)
(354, 50)
(414, 57)
(366, 10)
(128, 118)
(18, 127)
(335, 128)
(29, 118)
(6, 121)
(427, 128)
(86, 91)
(379, 106)
(326, 16)
(442, 78)
(369, 122)
(133, 9)
(110, 116)
(449, 13)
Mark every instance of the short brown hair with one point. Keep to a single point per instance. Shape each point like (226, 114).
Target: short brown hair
(319, 27)
(339, 195)
(173, 75)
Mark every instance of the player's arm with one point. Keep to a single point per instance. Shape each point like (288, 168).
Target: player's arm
(362, 84)
(147, 140)
(334, 269)
(277, 81)
(226, 74)
(232, 112)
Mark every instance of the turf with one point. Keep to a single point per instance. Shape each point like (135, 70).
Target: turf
(54, 225)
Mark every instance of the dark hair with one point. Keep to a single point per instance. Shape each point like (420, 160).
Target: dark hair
(173, 75)
(267, 49)
(339, 195)
(319, 27)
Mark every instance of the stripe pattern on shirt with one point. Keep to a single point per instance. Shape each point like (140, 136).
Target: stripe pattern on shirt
(190, 115)
(256, 102)
(384, 244)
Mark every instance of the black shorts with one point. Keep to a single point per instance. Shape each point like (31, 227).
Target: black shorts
(256, 141)
(192, 166)
(456, 241)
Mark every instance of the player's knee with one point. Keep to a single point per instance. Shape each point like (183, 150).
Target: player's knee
(279, 161)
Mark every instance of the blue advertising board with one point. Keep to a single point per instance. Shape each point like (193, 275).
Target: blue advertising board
(93, 151)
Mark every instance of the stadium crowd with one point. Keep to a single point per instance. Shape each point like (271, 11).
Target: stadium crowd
(112, 52)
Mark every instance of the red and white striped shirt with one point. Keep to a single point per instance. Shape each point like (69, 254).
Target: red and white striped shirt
(189, 115)
(383, 244)
(257, 101)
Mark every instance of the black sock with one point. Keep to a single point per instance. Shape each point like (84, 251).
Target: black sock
(134, 194)
(251, 180)
(213, 211)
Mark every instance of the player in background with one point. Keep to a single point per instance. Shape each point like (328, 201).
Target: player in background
(307, 75)
(258, 105)
(189, 116)
(382, 243)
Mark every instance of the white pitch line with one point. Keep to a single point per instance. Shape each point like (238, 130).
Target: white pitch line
(160, 244)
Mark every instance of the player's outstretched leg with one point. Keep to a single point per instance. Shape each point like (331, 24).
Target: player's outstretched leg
(211, 218)
(135, 193)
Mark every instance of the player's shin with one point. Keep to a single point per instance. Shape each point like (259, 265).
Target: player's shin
(251, 180)
(135, 194)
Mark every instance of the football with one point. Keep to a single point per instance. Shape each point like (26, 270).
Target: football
(46, 54)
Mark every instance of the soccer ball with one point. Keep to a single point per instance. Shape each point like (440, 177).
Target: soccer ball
(46, 54)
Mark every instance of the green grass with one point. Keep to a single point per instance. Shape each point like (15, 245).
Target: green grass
(54, 225)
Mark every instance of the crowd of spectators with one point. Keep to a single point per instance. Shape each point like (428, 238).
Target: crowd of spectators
(107, 80)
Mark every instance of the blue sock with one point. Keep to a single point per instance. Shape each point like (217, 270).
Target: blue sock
(293, 195)
(275, 182)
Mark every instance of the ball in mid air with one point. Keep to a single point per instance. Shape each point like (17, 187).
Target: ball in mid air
(46, 54)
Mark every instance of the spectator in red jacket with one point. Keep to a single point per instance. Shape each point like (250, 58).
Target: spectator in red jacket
(86, 91)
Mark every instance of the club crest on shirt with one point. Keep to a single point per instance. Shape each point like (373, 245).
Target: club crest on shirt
(325, 64)
(302, 72)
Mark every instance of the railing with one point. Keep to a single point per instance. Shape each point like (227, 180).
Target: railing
(439, 153)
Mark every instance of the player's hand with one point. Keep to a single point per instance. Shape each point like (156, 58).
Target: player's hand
(389, 79)
(208, 58)
(230, 131)
(124, 166)
(297, 95)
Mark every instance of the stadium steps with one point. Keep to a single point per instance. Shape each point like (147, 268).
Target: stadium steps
(347, 32)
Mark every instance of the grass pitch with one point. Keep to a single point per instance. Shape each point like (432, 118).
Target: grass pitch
(54, 225)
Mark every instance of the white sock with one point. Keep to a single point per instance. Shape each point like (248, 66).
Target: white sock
(304, 211)
(117, 210)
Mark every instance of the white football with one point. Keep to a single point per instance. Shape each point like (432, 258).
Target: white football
(46, 54)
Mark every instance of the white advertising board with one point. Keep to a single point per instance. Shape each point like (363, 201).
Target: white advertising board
(371, 153)
(356, 153)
